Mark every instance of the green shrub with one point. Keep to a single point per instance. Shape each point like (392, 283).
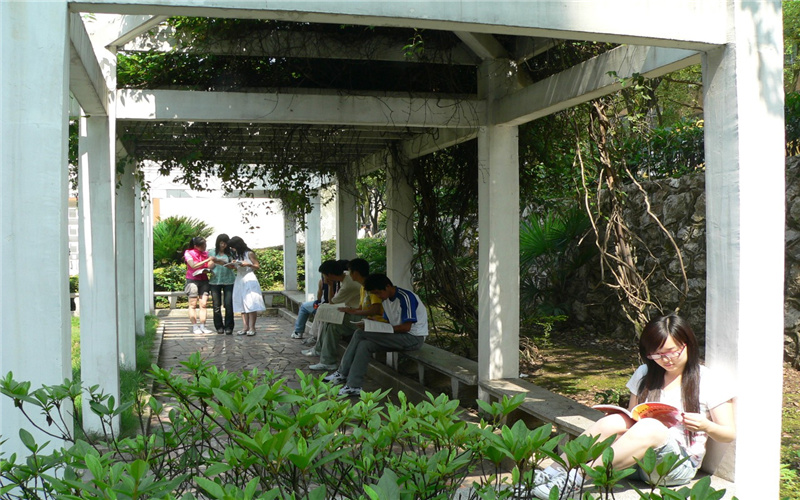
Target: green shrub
(170, 279)
(270, 274)
(250, 435)
(172, 235)
(373, 250)
(73, 284)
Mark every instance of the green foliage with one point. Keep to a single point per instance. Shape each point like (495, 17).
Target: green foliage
(373, 250)
(552, 250)
(132, 381)
(668, 152)
(172, 235)
(792, 118)
(791, 44)
(170, 279)
(270, 272)
(608, 397)
(74, 284)
(250, 435)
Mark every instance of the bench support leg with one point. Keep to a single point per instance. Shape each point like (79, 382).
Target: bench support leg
(421, 372)
(392, 359)
(173, 301)
(454, 383)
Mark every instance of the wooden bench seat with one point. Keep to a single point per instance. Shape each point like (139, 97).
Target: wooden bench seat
(460, 369)
(567, 415)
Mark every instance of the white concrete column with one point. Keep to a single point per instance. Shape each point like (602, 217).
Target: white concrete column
(744, 134)
(313, 248)
(126, 310)
(98, 279)
(139, 262)
(346, 223)
(149, 287)
(498, 227)
(399, 223)
(289, 251)
(498, 261)
(34, 338)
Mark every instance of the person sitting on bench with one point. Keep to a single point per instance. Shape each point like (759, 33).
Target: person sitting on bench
(404, 310)
(370, 306)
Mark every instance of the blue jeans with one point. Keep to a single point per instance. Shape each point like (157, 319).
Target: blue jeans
(222, 295)
(305, 310)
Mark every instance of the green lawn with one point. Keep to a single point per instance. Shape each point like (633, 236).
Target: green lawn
(132, 383)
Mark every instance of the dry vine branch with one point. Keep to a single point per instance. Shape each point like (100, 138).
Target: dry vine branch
(617, 244)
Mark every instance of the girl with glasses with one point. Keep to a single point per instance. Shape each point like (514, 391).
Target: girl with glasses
(672, 374)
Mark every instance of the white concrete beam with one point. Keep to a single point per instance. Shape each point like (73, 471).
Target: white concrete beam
(745, 193)
(86, 81)
(681, 23)
(34, 341)
(132, 27)
(588, 80)
(425, 144)
(484, 46)
(316, 108)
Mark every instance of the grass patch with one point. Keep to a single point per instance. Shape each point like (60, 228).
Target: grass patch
(790, 443)
(132, 383)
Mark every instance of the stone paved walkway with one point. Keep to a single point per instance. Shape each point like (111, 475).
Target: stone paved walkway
(272, 348)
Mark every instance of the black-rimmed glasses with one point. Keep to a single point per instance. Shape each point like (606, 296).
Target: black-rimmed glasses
(667, 355)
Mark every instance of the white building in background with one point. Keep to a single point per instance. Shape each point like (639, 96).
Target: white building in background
(258, 220)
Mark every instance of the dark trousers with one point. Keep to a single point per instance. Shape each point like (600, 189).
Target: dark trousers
(222, 295)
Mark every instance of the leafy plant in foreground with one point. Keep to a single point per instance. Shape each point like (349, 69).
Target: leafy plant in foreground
(251, 435)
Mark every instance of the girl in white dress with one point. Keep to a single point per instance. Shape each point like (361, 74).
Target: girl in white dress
(247, 298)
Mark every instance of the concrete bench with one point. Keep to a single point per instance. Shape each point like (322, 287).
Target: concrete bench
(567, 415)
(294, 298)
(269, 296)
(460, 369)
(171, 296)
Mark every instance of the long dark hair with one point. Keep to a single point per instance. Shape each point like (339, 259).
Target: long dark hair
(222, 238)
(653, 337)
(239, 246)
(197, 241)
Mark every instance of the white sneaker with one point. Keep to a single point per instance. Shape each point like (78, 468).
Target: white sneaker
(350, 391)
(335, 378)
(203, 329)
(308, 352)
(241, 332)
(569, 485)
(251, 333)
(297, 335)
(196, 329)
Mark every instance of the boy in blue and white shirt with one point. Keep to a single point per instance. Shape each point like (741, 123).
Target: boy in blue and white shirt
(409, 319)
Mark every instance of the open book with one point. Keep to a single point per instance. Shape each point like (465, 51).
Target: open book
(329, 313)
(370, 325)
(200, 271)
(666, 414)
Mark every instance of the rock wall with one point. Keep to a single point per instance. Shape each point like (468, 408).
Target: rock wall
(680, 205)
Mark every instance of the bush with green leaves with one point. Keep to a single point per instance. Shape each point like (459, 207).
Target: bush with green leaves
(250, 435)
(172, 235)
(170, 279)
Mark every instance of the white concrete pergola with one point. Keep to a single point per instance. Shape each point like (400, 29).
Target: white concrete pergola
(46, 54)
